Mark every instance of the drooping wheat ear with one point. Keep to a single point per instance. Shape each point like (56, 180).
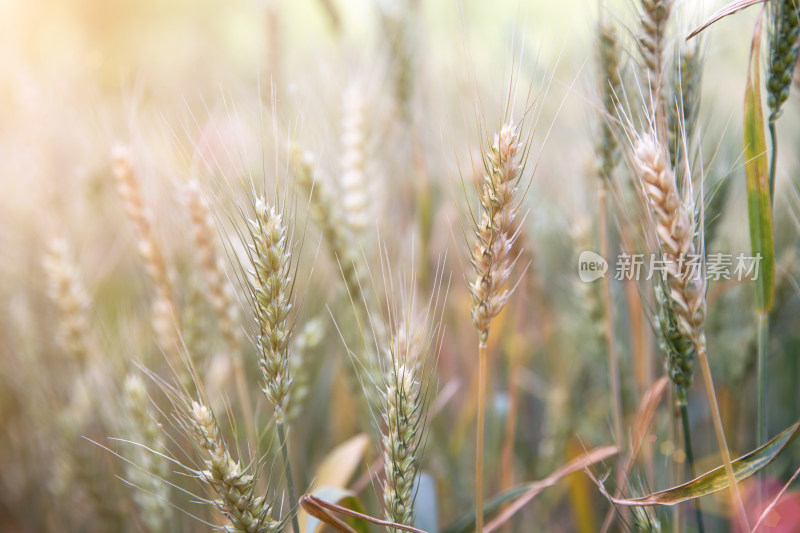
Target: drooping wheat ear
(305, 341)
(654, 15)
(147, 469)
(165, 318)
(67, 292)
(234, 487)
(783, 50)
(675, 231)
(685, 276)
(611, 90)
(684, 106)
(270, 253)
(220, 293)
(355, 199)
(491, 256)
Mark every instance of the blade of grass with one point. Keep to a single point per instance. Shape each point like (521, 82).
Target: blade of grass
(759, 208)
(716, 479)
(327, 511)
(759, 211)
(727, 9)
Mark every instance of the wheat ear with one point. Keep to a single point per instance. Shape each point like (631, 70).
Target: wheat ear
(67, 292)
(305, 341)
(608, 59)
(783, 51)
(355, 199)
(165, 317)
(654, 16)
(271, 287)
(682, 113)
(330, 222)
(232, 484)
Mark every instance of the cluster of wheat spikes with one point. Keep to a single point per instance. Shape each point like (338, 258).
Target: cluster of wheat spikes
(241, 317)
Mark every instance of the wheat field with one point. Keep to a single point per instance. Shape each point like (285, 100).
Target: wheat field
(399, 265)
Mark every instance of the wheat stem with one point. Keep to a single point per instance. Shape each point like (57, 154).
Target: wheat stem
(687, 445)
(613, 361)
(773, 160)
(482, 379)
(288, 470)
(762, 332)
(736, 495)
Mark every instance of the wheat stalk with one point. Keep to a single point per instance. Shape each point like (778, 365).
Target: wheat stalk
(397, 27)
(270, 253)
(329, 220)
(401, 441)
(492, 261)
